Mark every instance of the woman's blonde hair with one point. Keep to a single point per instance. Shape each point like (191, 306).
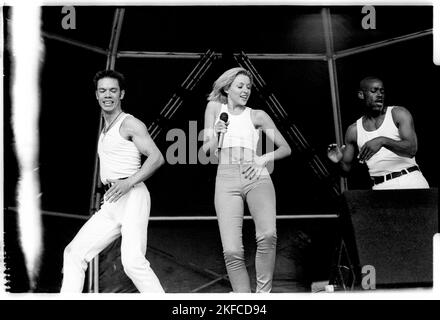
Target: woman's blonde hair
(224, 82)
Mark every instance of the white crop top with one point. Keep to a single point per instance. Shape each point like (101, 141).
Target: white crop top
(241, 131)
(118, 157)
(384, 161)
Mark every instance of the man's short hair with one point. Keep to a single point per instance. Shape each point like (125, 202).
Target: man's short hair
(365, 80)
(109, 74)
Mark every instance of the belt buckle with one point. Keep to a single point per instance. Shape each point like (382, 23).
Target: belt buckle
(402, 173)
(376, 180)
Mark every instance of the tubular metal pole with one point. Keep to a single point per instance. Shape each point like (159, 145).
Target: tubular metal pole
(286, 56)
(114, 39)
(93, 275)
(150, 54)
(94, 204)
(75, 43)
(381, 44)
(331, 62)
(280, 216)
(197, 55)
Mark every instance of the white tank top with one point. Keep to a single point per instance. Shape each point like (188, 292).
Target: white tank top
(241, 131)
(118, 157)
(384, 161)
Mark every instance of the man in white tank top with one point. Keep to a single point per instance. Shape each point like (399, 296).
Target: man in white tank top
(385, 139)
(126, 207)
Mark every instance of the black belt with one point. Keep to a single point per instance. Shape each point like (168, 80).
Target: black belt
(107, 186)
(393, 175)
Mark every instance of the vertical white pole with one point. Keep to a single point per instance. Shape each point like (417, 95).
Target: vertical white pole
(333, 76)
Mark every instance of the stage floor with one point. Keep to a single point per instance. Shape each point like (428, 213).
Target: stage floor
(186, 255)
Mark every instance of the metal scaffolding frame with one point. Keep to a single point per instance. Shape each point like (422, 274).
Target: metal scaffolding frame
(334, 89)
(176, 99)
(205, 60)
(95, 199)
(293, 134)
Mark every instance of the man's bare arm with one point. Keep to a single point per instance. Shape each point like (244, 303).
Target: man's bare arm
(344, 155)
(406, 147)
(137, 132)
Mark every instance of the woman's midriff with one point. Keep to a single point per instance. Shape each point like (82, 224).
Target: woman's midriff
(236, 155)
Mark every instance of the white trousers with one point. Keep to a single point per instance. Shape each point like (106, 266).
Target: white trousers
(127, 217)
(412, 180)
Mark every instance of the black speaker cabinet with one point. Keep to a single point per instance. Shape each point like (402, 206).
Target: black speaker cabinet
(391, 231)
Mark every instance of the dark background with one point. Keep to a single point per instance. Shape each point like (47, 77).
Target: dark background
(69, 117)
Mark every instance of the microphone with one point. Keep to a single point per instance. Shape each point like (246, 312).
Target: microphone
(224, 118)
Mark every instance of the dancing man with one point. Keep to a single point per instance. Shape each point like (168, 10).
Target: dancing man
(126, 207)
(386, 140)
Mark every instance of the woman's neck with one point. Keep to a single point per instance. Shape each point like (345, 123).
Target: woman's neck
(235, 108)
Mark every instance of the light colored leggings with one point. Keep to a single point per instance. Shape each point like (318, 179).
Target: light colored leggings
(231, 190)
(127, 217)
